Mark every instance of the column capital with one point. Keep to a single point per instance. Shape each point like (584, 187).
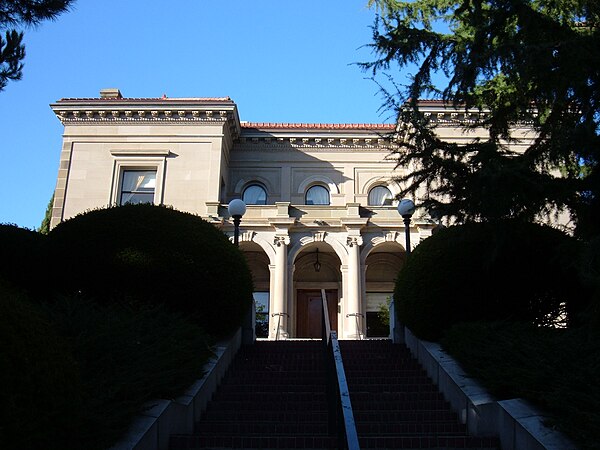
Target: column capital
(352, 241)
(280, 240)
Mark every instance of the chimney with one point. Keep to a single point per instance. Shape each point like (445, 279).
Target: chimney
(110, 93)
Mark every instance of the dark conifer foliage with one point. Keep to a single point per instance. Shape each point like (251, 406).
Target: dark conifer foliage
(45, 225)
(526, 62)
(15, 14)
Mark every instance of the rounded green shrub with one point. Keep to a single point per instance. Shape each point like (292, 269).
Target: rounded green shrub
(127, 358)
(486, 272)
(40, 387)
(22, 261)
(146, 254)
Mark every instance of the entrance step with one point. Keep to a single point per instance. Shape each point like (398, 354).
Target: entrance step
(273, 397)
(395, 404)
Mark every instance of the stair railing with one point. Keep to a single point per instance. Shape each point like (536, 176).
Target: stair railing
(278, 323)
(359, 335)
(341, 417)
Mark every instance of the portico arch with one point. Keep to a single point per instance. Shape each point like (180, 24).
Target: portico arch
(383, 260)
(339, 249)
(316, 266)
(260, 268)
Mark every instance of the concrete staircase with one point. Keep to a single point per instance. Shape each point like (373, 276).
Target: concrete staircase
(274, 397)
(396, 405)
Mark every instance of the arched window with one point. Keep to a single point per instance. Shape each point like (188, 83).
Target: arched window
(255, 195)
(317, 195)
(379, 196)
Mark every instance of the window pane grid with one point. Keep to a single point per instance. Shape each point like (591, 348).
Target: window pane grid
(138, 186)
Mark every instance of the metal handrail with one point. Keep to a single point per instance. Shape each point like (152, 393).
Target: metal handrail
(356, 316)
(278, 323)
(341, 417)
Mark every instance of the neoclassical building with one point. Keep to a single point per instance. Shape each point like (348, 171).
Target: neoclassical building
(321, 206)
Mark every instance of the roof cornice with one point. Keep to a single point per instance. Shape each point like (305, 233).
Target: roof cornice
(312, 127)
(315, 136)
(194, 111)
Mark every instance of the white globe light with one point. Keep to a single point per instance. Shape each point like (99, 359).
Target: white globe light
(406, 207)
(236, 207)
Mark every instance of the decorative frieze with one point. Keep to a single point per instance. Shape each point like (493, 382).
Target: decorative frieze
(457, 117)
(269, 142)
(141, 115)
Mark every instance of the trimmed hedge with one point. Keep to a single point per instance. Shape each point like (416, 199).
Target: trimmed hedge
(22, 258)
(486, 272)
(146, 254)
(556, 369)
(41, 392)
(127, 357)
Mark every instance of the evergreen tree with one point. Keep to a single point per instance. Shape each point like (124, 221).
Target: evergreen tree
(45, 226)
(19, 13)
(517, 61)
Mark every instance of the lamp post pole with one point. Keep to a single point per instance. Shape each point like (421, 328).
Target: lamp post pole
(407, 232)
(406, 209)
(236, 209)
(236, 227)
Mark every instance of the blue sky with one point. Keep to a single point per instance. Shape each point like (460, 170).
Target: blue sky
(279, 60)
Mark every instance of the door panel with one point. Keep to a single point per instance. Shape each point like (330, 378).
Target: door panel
(309, 312)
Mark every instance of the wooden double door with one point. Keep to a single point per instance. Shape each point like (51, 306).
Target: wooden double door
(309, 312)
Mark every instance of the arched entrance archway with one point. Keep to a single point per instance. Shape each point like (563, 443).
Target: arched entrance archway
(383, 263)
(258, 263)
(316, 267)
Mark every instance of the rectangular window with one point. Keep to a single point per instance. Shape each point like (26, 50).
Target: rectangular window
(138, 186)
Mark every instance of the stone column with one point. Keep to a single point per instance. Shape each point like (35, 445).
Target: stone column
(279, 315)
(353, 318)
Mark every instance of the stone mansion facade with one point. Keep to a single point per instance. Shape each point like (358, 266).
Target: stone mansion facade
(321, 204)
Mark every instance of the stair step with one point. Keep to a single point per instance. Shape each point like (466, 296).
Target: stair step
(404, 416)
(275, 406)
(397, 396)
(410, 428)
(429, 442)
(275, 388)
(270, 428)
(225, 395)
(405, 405)
(248, 416)
(386, 380)
(409, 386)
(187, 442)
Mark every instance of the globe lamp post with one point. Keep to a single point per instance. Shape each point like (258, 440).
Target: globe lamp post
(236, 208)
(406, 209)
